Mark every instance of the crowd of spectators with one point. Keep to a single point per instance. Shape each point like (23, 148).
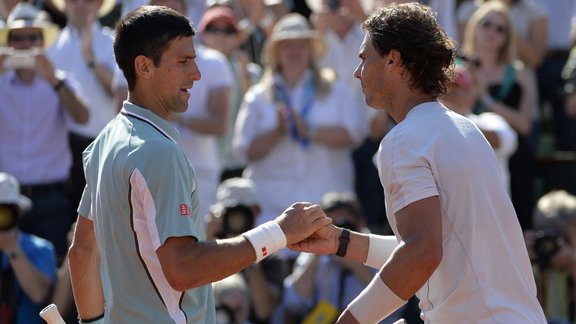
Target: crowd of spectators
(277, 118)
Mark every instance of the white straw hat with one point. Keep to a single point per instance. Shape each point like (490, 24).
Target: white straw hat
(25, 15)
(293, 26)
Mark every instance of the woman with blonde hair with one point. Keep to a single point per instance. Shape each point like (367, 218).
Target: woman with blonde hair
(506, 88)
(296, 127)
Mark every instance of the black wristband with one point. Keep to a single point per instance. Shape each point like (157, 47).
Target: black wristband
(90, 320)
(344, 240)
(58, 85)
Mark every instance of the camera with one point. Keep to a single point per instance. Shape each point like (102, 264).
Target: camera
(236, 220)
(19, 59)
(547, 243)
(8, 217)
(333, 5)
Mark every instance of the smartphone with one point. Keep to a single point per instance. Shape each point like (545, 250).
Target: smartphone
(20, 59)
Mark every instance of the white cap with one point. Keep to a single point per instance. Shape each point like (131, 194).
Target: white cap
(236, 191)
(10, 192)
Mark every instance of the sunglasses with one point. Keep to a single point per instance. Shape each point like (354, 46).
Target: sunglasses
(19, 38)
(217, 30)
(487, 24)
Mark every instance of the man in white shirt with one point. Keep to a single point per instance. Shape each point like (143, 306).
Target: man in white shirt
(458, 245)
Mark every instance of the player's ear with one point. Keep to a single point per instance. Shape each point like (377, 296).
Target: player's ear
(143, 66)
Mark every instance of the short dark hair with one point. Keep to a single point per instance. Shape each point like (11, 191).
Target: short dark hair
(147, 31)
(427, 52)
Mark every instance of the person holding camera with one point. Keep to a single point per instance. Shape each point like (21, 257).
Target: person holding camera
(37, 103)
(27, 262)
(552, 247)
(235, 212)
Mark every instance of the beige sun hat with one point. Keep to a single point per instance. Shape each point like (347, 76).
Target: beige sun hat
(321, 5)
(10, 192)
(25, 15)
(105, 8)
(292, 26)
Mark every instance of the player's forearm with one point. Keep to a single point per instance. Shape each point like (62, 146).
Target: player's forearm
(86, 281)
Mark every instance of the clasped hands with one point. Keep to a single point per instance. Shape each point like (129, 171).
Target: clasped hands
(308, 229)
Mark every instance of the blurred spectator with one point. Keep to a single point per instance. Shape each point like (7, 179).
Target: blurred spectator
(256, 19)
(552, 248)
(37, 101)
(529, 22)
(194, 8)
(461, 98)
(84, 49)
(560, 14)
(232, 300)
(219, 30)
(507, 89)
(28, 263)
(297, 126)
(236, 211)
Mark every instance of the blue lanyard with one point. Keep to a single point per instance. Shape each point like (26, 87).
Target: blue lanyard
(281, 95)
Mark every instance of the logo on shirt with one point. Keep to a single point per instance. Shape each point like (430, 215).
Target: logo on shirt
(264, 251)
(185, 210)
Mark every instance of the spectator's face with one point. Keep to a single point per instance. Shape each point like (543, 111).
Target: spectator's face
(82, 12)
(295, 54)
(491, 32)
(177, 5)
(25, 38)
(221, 36)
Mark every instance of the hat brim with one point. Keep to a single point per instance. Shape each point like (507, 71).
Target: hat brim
(49, 31)
(318, 45)
(105, 8)
(23, 202)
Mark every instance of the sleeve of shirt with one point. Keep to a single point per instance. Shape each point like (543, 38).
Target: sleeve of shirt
(405, 167)
(165, 187)
(220, 73)
(250, 121)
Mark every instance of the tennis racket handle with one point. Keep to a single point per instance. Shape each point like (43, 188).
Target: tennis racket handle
(51, 315)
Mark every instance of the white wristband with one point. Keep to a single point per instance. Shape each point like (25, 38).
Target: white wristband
(380, 249)
(266, 239)
(375, 302)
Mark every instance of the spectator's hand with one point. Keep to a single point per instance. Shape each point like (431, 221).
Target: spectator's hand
(9, 240)
(571, 105)
(86, 45)
(282, 118)
(45, 69)
(301, 220)
(212, 224)
(321, 20)
(323, 241)
(301, 126)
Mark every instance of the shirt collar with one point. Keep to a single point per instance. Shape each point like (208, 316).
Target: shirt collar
(146, 115)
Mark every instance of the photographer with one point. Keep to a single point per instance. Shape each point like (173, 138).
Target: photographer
(37, 104)
(27, 262)
(552, 247)
(236, 211)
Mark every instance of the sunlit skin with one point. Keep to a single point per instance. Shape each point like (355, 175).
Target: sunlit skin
(165, 88)
(224, 43)
(488, 38)
(294, 57)
(371, 73)
(82, 12)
